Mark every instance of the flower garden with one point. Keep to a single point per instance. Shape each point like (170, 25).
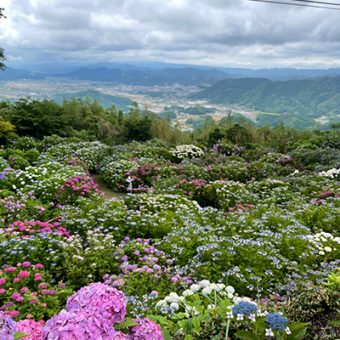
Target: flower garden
(201, 242)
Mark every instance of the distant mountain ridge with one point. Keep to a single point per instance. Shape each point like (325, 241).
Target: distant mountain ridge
(307, 99)
(16, 74)
(141, 76)
(162, 73)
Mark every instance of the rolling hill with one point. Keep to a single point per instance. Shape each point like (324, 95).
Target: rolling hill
(121, 103)
(300, 103)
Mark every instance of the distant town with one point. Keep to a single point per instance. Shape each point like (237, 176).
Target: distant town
(166, 100)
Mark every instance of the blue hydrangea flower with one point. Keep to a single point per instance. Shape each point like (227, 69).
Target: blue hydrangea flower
(277, 321)
(244, 308)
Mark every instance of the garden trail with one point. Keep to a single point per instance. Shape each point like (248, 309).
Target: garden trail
(108, 193)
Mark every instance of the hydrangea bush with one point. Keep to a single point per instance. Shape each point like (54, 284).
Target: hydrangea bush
(187, 151)
(26, 292)
(252, 218)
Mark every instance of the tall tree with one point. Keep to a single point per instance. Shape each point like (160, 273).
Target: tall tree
(2, 56)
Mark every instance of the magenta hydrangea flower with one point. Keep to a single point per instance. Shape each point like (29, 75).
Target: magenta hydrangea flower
(120, 336)
(7, 327)
(78, 326)
(146, 329)
(33, 329)
(99, 299)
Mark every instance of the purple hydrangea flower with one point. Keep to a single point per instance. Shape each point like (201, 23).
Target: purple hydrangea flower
(7, 327)
(78, 326)
(146, 329)
(120, 336)
(99, 299)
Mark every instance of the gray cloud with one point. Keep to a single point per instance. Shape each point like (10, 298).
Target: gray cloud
(214, 32)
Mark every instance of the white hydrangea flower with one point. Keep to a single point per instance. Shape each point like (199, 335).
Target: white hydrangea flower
(331, 173)
(213, 286)
(174, 305)
(220, 286)
(204, 283)
(206, 291)
(195, 288)
(172, 297)
(230, 290)
(187, 292)
(210, 306)
(161, 303)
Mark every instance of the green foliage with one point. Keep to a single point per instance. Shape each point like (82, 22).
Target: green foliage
(6, 128)
(317, 305)
(85, 119)
(261, 217)
(296, 103)
(206, 310)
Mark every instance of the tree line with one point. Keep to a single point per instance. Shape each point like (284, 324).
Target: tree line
(89, 120)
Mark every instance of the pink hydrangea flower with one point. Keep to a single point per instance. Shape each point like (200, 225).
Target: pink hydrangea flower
(146, 329)
(38, 266)
(42, 285)
(9, 269)
(17, 297)
(77, 326)
(12, 313)
(99, 299)
(26, 264)
(33, 329)
(23, 274)
(33, 301)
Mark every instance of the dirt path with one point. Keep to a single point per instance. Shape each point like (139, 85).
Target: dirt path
(108, 193)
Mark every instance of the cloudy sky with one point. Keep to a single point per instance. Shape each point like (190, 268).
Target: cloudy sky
(232, 33)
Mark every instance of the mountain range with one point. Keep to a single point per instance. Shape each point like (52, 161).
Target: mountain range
(162, 73)
(296, 97)
(305, 100)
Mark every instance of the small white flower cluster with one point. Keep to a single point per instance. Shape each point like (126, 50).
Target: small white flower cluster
(270, 333)
(173, 301)
(208, 288)
(331, 173)
(44, 180)
(321, 239)
(187, 151)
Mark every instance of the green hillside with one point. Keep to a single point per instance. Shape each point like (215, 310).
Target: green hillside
(121, 103)
(299, 102)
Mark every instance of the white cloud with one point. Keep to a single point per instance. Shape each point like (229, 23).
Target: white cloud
(215, 32)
